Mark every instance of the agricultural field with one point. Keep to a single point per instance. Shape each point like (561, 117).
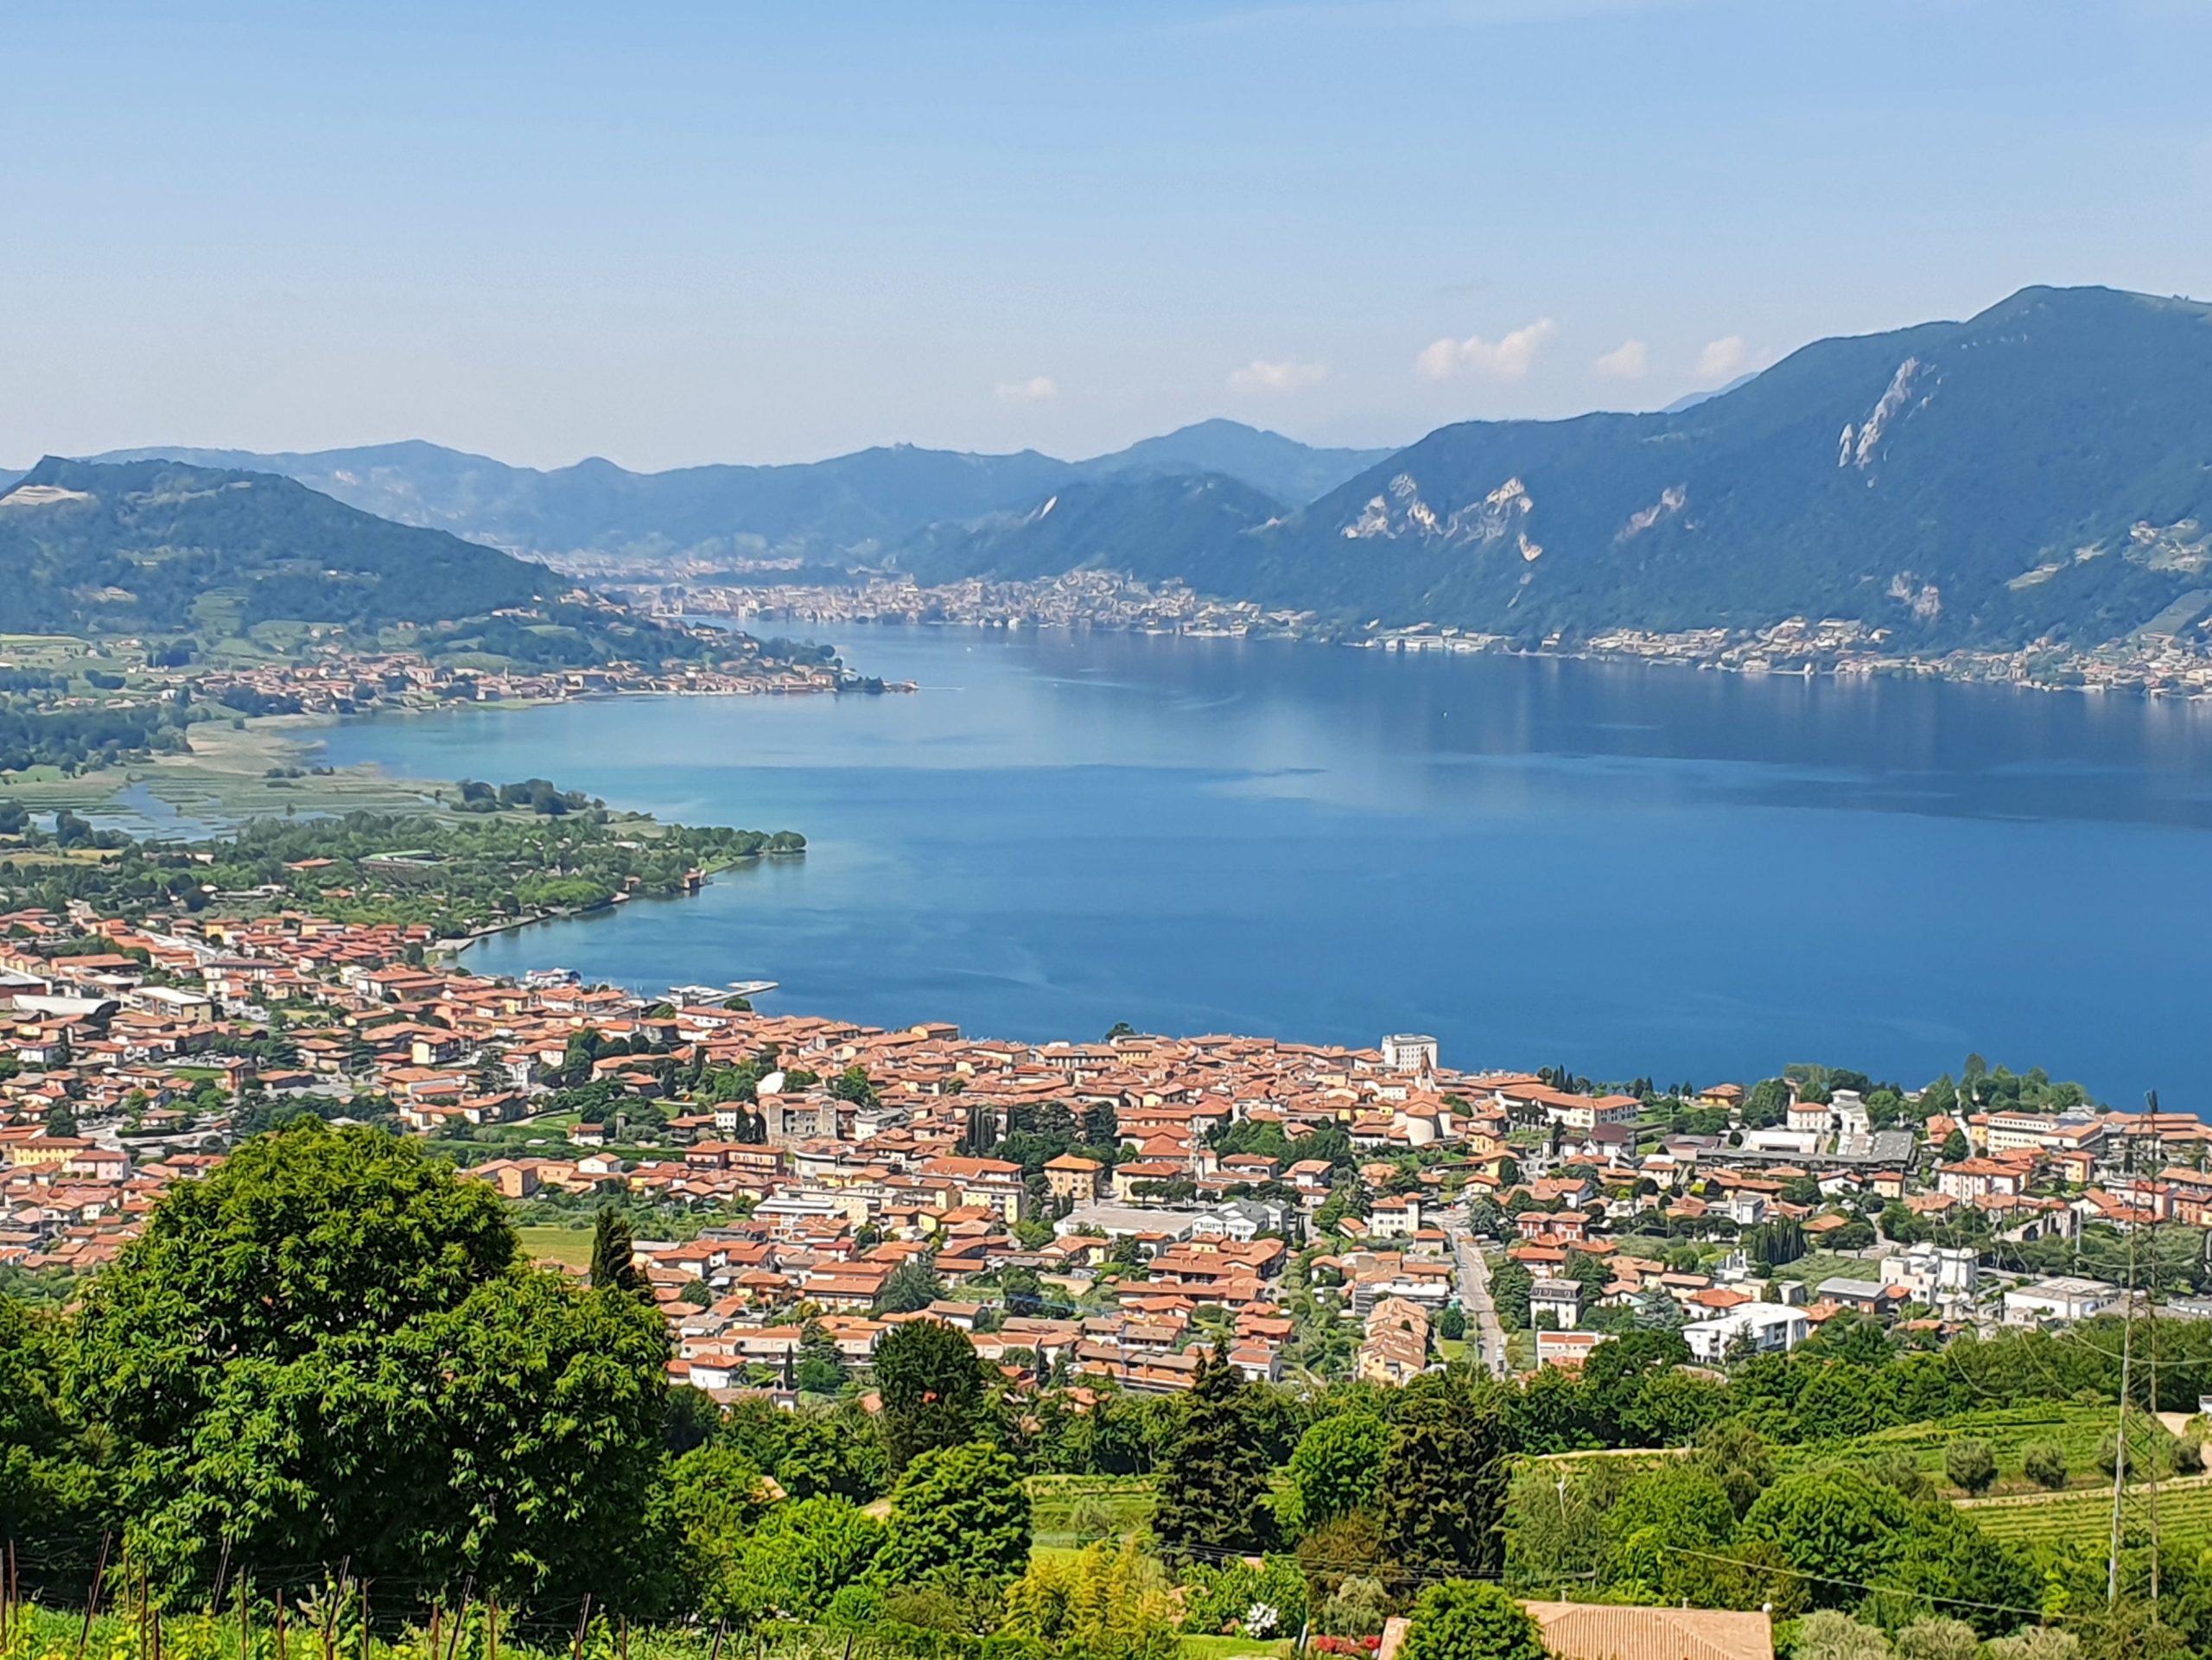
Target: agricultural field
(2079, 1432)
(1070, 1510)
(2054, 1522)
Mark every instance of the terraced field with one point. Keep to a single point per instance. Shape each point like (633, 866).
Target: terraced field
(2079, 1431)
(1124, 1503)
(2055, 1520)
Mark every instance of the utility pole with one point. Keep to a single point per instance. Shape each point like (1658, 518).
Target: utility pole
(2119, 1435)
(2151, 1337)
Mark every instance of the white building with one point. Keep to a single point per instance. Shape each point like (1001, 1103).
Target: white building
(1765, 1327)
(1409, 1052)
(2064, 1300)
(1561, 1299)
(1938, 1275)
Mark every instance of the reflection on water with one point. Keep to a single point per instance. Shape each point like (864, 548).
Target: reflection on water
(1629, 870)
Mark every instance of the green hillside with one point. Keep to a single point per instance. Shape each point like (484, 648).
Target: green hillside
(163, 548)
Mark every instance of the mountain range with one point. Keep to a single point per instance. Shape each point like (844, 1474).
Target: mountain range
(2043, 468)
(853, 505)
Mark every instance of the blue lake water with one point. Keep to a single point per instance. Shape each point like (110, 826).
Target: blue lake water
(1627, 870)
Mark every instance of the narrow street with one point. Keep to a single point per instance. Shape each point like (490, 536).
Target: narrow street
(1483, 1333)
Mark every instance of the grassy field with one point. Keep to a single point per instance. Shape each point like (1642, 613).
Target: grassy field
(225, 780)
(569, 1246)
(1197, 1647)
(1818, 1265)
(2079, 1431)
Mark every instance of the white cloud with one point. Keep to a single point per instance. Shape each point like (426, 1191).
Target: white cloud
(1504, 358)
(1626, 362)
(1724, 359)
(1262, 376)
(1037, 389)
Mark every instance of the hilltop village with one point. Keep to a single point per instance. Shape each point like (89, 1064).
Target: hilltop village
(1102, 1210)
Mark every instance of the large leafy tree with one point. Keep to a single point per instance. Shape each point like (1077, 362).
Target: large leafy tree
(1336, 1463)
(542, 1405)
(931, 1383)
(1441, 1493)
(1460, 1620)
(1213, 1494)
(49, 1491)
(960, 1512)
(798, 1558)
(1834, 1526)
(327, 1349)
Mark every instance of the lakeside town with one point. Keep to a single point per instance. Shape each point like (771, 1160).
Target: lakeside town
(2158, 662)
(1107, 1210)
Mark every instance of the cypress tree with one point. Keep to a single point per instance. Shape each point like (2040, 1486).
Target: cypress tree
(613, 1253)
(1213, 1495)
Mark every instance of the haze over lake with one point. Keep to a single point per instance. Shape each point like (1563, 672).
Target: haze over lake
(1626, 870)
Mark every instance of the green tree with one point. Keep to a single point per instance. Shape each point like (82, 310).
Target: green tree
(1936, 1638)
(796, 1561)
(932, 1383)
(714, 1498)
(908, 1289)
(821, 1368)
(613, 1253)
(1462, 1620)
(1440, 1494)
(1835, 1526)
(1109, 1603)
(956, 1511)
(388, 1381)
(1334, 1468)
(46, 1492)
(1510, 1287)
(2045, 1463)
(1661, 1518)
(1971, 1465)
(1828, 1635)
(1213, 1494)
(832, 1452)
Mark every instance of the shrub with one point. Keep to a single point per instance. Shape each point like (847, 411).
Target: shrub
(1462, 1619)
(1970, 1465)
(2045, 1463)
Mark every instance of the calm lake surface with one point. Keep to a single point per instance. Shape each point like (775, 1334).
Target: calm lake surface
(1626, 870)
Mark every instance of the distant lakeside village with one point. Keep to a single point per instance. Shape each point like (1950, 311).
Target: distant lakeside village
(1110, 1208)
(2148, 662)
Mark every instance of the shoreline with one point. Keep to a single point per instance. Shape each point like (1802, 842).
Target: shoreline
(1400, 644)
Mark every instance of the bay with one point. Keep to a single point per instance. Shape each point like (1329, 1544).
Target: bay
(1628, 870)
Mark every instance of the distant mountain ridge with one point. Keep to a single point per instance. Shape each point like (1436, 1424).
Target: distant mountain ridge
(2043, 469)
(851, 505)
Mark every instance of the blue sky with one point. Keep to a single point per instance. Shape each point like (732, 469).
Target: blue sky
(671, 234)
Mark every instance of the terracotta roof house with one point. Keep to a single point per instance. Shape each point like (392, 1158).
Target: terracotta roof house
(1584, 1631)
